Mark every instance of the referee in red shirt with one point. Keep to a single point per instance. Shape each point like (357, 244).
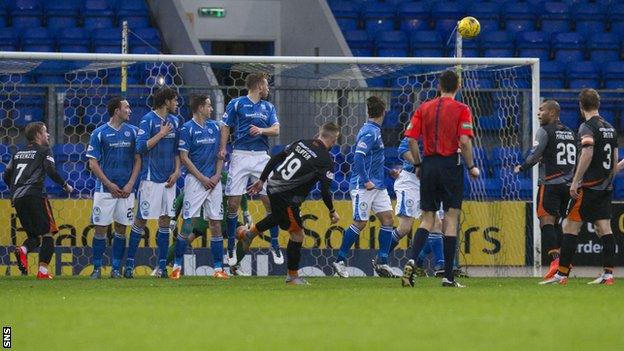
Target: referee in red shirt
(445, 127)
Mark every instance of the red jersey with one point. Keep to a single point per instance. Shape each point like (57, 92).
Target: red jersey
(440, 122)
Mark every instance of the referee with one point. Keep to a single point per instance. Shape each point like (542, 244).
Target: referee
(445, 127)
(25, 175)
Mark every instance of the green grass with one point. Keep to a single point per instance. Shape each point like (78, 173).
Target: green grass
(331, 314)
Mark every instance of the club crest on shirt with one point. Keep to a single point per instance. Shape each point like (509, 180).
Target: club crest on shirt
(127, 134)
(141, 132)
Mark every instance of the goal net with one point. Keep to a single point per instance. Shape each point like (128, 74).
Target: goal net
(69, 93)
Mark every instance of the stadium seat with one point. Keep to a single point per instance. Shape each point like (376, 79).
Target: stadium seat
(552, 75)
(378, 17)
(135, 12)
(360, 42)
(583, 74)
(569, 47)
(589, 18)
(392, 44)
(106, 40)
(493, 188)
(506, 156)
(481, 160)
(69, 152)
(97, 14)
(62, 13)
(5, 152)
(8, 40)
(149, 35)
(497, 44)
(414, 16)
(613, 73)
(446, 14)
(555, 17)
(25, 115)
(38, 39)
(426, 44)
(534, 44)
(616, 18)
(488, 14)
(604, 47)
(570, 118)
(26, 13)
(518, 17)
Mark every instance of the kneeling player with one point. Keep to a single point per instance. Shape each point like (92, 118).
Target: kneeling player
(591, 190)
(301, 165)
(199, 146)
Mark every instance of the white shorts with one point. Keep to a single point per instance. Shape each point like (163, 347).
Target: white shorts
(107, 209)
(245, 166)
(196, 198)
(155, 200)
(365, 201)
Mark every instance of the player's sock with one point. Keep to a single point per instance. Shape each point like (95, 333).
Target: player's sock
(436, 242)
(568, 247)
(274, 231)
(47, 250)
(450, 243)
(426, 250)
(419, 241)
(385, 242)
(98, 245)
(162, 242)
(396, 237)
(349, 237)
(171, 254)
(216, 249)
(179, 250)
(232, 223)
(31, 243)
(133, 245)
(119, 246)
(608, 253)
(549, 237)
(293, 255)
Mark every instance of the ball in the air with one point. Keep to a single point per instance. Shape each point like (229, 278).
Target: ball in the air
(469, 27)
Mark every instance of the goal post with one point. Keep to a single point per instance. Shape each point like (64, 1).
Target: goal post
(499, 232)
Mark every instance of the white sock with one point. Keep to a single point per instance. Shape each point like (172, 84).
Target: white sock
(43, 269)
(24, 249)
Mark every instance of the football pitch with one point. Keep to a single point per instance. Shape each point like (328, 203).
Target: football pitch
(254, 313)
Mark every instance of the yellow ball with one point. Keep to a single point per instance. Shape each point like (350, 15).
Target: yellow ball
(469, 27)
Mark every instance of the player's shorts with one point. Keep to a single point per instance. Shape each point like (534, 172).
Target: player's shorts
(107, 209)
(365, 201)
(155, 200)
(286, 214)
(407, 189)
(245, 167)
(35, 215)
(196, 198)
(441, 182)
(553, 200)
(591, 205)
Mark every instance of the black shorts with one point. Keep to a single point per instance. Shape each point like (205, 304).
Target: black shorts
(35, 215)
(553, 200)
(441, 180)
(591, 205)
(286, 214)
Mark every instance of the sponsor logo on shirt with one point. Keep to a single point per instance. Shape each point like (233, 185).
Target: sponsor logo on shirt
(257, 115)
(120, 144)
(204, 141)
(90, 148)
(362, 145)
(466, 126)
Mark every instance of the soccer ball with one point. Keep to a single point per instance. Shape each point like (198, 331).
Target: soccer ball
(468, 27)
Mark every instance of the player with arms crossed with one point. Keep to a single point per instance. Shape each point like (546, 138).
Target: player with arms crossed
(157, 143)
(24, 176)
(199, 146)
(254, 120)
(555, 150)
(112, 159)
(445, 125)
(368, 191)
(299, 167)
(591, 190)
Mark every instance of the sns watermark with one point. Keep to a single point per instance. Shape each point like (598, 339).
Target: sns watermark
(6, 337)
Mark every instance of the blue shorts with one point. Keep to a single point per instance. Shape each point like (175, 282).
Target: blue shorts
(441, 181)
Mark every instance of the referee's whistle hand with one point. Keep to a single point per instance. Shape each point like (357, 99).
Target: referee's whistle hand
(474, 172)
(369, 185)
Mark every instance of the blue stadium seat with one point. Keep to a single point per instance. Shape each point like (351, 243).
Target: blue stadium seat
(570, 118)
(616, 18)
(519, 17)
(345, 9)
(496, 44)
(552, 75)
(69, 152)
(490, 123)
(506, 156)
(481, 160)
(3, 16)
(534, 44)
(97, 14)
(426, 44)
(62, 13)
(555, 17)
(95, 116)
(360, 42)
(26, 13)
(135, 12)
(25, 115)
(392, 44)
(604, 47)
(493, 188)
(8, 40)
(5, 152)
(488, 14)
(569, 47)
(414, 16)
(378, 17)
(609, 115)
(613, 74)
(38, 39)
(51, 79)
(149, 35)
(583, 74)
(589, 18)
(106, 40)
(446, 14)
